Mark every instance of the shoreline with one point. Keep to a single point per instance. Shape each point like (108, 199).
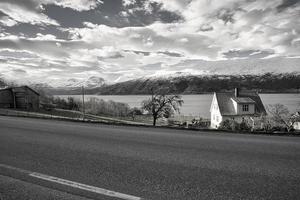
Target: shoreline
(168, 94)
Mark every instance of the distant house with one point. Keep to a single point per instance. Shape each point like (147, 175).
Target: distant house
(296, 124)
(22, 97)
(237, 105)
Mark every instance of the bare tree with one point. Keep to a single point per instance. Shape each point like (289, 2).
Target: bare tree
(162, 105)
(281, 116)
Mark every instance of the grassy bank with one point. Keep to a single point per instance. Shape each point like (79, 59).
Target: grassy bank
(144, 121)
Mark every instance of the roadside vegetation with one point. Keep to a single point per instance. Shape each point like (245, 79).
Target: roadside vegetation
(278, 120)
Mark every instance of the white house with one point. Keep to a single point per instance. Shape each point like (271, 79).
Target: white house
(296, 123)
(237, 105)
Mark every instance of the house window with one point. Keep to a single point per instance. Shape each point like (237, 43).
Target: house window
(245, 108)
(217, 119)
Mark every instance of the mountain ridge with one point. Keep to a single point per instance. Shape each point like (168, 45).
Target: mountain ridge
(195, 84)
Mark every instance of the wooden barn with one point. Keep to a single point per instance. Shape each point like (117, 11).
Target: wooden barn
(22, 97)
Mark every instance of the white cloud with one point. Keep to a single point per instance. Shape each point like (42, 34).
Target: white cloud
(6, 21)
(155, 37)
(79, 5)
(128, 2)
(46, 37)
(19, 14)
(31, 11)
(173, 5)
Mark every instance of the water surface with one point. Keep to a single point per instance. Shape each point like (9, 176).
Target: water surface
(197, 105)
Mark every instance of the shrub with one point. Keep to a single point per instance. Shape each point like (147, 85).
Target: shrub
(200, 123)
(69, 104)
(232, 125)
(107, 108)
(173, 122)
(134, 112)
(244, 126)
(226, 125)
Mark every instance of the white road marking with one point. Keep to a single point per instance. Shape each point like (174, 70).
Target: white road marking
(73, 184)
(85, 187)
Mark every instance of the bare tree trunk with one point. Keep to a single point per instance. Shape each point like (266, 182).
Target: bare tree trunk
(154, 120)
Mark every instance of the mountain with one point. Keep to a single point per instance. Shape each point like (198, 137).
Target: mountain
(189, 84)
(91, 82)
(276, 65)
(94, 81)
(70, 86)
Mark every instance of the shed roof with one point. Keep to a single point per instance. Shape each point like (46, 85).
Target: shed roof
(25, 86)
(226, 105)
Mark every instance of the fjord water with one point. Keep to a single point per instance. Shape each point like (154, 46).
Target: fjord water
(199, 104)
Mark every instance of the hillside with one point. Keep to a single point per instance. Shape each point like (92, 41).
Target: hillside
(198, 84)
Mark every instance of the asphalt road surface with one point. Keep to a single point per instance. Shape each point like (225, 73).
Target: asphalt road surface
(151, 163)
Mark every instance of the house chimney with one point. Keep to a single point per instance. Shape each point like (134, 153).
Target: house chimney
(236, 92)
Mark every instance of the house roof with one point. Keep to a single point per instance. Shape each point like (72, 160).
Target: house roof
(226, 106)
(243, 100)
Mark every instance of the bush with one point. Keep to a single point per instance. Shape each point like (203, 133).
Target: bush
(69, 104)
(232, 125)
(173, 122)
(200, 123)
(134, 112)
(244, 126)
(226, 125)
(107, 108)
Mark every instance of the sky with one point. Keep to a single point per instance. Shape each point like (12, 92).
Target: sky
(53, 41)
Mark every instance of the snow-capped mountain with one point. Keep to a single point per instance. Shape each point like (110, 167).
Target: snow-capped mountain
(91, 82)
(94, 81)
(172, 75)
(194, 67)
(240, 66)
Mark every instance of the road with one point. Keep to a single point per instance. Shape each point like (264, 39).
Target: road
(151, 163)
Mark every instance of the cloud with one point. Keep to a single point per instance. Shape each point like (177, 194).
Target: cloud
(31, 11)
(128, 2)
(287, 4)
(19, 54)
(155, 37)
(19, 71)
(206, 27)
(145, 53)
(129, 39)
(78, 5)
(236, 54)
(174, 5)
(7, 21)
(172, 54)
(18, 13)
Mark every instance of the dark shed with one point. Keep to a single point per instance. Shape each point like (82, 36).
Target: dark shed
(22, 97)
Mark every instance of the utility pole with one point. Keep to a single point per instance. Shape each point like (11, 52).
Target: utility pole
(83, 105)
